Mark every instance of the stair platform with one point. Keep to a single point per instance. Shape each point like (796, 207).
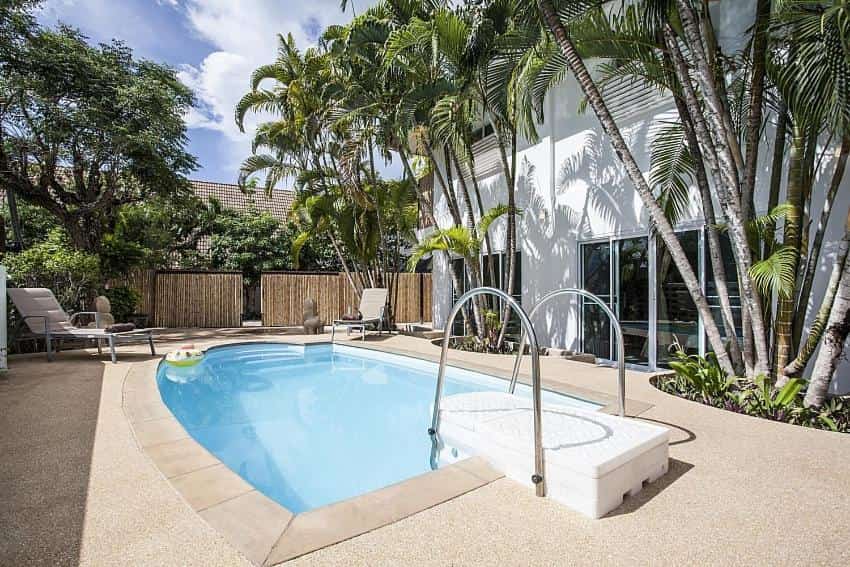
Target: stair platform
(592, 459)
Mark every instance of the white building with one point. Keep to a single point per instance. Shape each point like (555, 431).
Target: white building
(583, 225)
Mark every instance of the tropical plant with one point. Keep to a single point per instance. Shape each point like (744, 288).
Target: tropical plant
(73, 275)
(420, 79)
(82, 143)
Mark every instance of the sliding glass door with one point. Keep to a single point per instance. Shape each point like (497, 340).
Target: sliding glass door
(618, 273)
(677, 324)
(632, 307)
(596, 278)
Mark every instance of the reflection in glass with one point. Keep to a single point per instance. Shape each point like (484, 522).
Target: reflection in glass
(678, 319)
(596, 278)
(460, 269)
(633, 297)
(731, 286)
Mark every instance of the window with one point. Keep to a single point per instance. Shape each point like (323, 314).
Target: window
(677, 321)
(621, 266)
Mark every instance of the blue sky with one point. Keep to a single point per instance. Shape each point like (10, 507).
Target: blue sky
(214, 45)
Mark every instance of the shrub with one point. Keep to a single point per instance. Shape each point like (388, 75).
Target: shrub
(73, 275)
(701, 379)
(124, 301)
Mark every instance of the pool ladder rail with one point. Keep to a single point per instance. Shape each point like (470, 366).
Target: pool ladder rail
(528, 337)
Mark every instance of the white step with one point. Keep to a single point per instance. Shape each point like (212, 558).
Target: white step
(592, 459)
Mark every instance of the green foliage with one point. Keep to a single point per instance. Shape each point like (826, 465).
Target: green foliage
(250, 242)
(159, 230)
(702, 374)
(97, 126)
(253, 242)
(701, 379)
(35, 223)
(124, 301)
(73, 275)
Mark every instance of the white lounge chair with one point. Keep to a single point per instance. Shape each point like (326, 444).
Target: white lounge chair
(44, 316)
(373, 304)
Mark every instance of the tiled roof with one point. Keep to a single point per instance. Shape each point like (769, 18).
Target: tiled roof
(231, 197)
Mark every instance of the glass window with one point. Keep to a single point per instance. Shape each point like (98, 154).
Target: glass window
(459, 268)
(731, 284)
(633, 297)
(596, 278)
(678, 320)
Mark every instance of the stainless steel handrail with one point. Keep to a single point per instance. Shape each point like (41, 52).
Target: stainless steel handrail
(621, 355)
(538, 478)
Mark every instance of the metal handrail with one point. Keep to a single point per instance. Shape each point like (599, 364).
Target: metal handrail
(621, 353)
(538, 478)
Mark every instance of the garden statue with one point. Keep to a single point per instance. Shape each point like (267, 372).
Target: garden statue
(312, 324)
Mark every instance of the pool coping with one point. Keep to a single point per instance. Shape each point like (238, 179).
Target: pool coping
(260, 528)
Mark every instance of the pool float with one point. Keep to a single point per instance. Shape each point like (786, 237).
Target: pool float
(184, 356)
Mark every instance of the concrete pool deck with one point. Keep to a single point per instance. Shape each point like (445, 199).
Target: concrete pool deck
(77, 487)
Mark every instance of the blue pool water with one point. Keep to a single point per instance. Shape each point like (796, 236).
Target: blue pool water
(309, 426)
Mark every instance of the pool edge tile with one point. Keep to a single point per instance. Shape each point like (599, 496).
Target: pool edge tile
(334, 523)
(251, 522)
(176, 458)
(156, 431)
(209, 486)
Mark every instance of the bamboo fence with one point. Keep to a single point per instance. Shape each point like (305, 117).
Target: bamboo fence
(198, 299)
(283, 295)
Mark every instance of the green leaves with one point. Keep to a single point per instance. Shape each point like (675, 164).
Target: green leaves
(776, 273)
(671, 170)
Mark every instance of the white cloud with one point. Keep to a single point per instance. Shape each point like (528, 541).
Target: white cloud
(245, 36)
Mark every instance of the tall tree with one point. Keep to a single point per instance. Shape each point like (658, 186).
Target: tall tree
(83, 143)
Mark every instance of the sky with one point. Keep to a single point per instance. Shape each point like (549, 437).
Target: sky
(214, 45)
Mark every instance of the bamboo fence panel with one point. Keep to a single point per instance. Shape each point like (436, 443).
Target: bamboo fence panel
(283, 295)
(198, 299)
(142, 281)
(427, 298)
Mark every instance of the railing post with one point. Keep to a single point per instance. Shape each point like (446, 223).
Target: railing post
(621, 356)
(539, 477)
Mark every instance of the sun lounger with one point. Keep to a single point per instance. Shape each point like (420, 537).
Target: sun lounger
(373, 304)
(45, 317)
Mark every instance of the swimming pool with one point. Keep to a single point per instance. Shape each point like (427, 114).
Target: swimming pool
(312, 425)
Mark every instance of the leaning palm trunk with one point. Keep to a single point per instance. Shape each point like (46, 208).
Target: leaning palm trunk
(510, 236)
(426, 207)
(717, 266)
(656, 213)
(819, 325)
(488, 244)
(728, 161)
(837, 327)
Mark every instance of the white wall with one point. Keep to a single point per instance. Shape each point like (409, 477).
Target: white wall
(572, 187)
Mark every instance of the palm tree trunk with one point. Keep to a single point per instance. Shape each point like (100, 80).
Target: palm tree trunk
(656, 213)
(510, 234)
(720, 161)
(819, 325)
(426, 206)
(756, 103)
(341, 257)
(837, 327)
(791, 237)
(717, 266)
(814, 253)
(488, 243)
(464, 190)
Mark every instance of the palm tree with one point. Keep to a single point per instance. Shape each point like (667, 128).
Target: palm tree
(659, 219)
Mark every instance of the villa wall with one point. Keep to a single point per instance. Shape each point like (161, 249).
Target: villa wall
(571, 188)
